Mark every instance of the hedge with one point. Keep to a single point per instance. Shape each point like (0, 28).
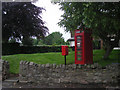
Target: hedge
(10, 48)
(15, 48)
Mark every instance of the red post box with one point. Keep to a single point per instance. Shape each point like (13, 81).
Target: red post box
(83, 47)
(64, 50)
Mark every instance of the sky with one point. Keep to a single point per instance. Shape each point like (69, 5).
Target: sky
(52, 16)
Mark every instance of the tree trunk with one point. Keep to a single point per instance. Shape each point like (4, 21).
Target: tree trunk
(72, 33)
(108, 51)
(101, 44)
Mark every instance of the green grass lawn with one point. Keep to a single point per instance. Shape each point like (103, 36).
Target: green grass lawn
(56, 57)
(113, 58)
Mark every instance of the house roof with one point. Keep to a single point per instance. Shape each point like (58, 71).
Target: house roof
(71, 39)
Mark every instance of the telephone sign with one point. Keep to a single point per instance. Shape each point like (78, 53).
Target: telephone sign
(83, 47)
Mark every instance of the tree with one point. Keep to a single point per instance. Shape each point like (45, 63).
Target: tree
(27, 41)
(54, 38)
(102, 17)
(40, 42)
(36, 41)
(22, 20)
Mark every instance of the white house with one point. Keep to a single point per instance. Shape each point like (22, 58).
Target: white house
(72, 41)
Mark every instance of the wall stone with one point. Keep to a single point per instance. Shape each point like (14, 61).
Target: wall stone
(4, 69)
(72, 73)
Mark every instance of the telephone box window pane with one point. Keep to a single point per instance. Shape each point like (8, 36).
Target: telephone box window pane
(78, 40)
(77, 31)
(78, 37)
(79, 52)
(79, 59)
(79, 46)
(79, 49)
(79, 56)
(78, 43)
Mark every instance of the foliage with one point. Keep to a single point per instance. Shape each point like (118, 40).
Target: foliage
(67, 42)
(22, 20)
(27, 41)
(101, 17)
(96, 44)
(35, 41)
(54, 38)
(44, 58)
(40, 42)
(12, 40)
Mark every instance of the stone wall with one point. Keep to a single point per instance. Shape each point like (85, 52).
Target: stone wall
(52, 73)
(4, 69)
(32, 72)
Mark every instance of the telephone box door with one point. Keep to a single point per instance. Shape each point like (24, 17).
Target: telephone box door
(83, 47)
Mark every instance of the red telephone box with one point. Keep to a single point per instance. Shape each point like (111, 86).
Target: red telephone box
(83, 47)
